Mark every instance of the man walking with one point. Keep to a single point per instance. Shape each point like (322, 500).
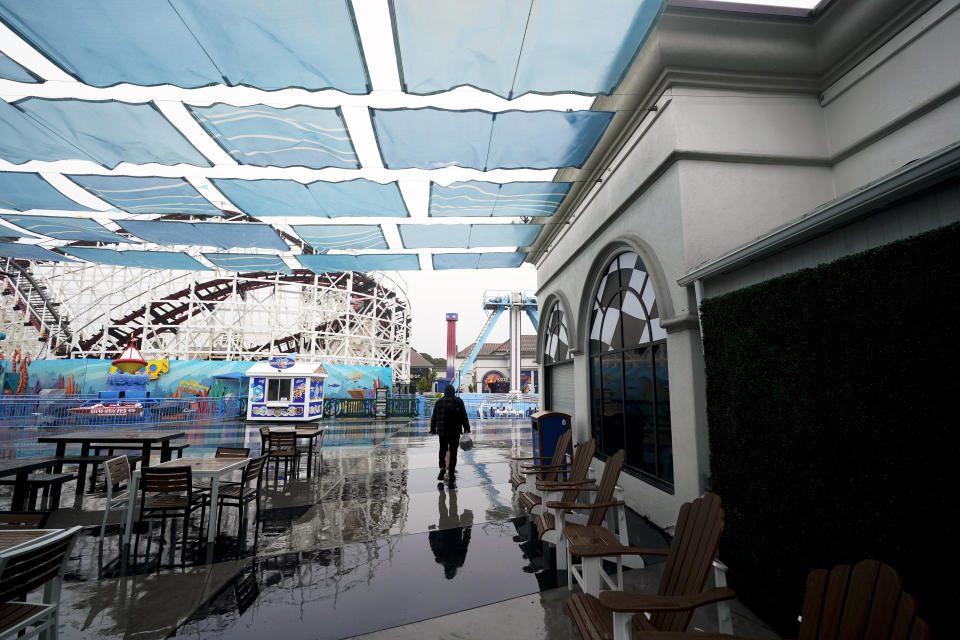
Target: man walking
(449, 421)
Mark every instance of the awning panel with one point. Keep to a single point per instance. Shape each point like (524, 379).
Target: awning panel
(247, 262)
(365, 262)
(12, 70)
(148, 194)
(488, 199)
(30, 252)
(499, 260)
(434, 138)
(143, 259)
(511, 48)
(25, 191)
(468, 236)
(265, 198)
(207, 234)
(341, 236)
(270, 137)
(72, 229)
(112, 132)
(296, 43)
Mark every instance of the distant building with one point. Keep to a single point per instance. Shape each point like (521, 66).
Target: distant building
(419, 368)
(490, 372)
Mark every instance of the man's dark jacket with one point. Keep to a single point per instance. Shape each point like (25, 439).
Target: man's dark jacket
(449, 416)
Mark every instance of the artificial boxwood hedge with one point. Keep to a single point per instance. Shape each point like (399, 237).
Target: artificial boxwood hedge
(833, 401)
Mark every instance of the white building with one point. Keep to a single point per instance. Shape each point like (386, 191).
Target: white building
(754, 143)
(490, 371)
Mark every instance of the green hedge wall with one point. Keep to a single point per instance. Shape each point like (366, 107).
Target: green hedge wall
(833, 398)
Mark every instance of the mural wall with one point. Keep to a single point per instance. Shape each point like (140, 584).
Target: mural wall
(184, 378)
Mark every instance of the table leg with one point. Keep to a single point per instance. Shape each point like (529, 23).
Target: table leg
(214, 496)
(20, 492)
(61, 451)
(165, 451)
(145, 455)
(310, 457)
(131, 503)
(82, 470)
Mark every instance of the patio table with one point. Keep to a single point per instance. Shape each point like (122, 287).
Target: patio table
(312, 433)
(201, 468)
(146, 439)
(21, 468)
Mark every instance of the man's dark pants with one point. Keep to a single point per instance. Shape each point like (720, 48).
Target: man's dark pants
(451, 443)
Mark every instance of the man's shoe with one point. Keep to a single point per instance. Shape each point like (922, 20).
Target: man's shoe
(453, 474)
(441, 474)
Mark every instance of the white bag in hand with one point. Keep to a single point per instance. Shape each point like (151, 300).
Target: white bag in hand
(466, 442)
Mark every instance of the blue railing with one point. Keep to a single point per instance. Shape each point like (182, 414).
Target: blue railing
(485, 406)
(89, 411)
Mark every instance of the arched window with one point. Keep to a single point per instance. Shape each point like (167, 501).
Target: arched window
(557, 362)
(629, 388)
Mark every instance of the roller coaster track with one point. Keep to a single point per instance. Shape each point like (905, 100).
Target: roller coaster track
(41, 312)
(180, 306)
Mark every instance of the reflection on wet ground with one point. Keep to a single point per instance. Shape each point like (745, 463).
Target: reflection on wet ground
(373, 545)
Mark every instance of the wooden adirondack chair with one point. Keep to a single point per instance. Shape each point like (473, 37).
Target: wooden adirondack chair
(566, 489)
(866, 601)
(551, 522)
(525, 474)
(689, 558)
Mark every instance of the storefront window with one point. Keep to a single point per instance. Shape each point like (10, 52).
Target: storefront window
(556, 361)
(278, 390)
(629, 389)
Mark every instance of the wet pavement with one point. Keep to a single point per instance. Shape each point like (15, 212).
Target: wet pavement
(373, 545)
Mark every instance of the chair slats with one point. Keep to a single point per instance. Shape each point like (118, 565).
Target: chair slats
(608, 482)
(692, 550)
(883, 604)
(813, 603)
(905, 622)
(836, 594)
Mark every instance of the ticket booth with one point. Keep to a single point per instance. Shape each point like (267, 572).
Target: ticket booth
(284, 390)
(548, 426)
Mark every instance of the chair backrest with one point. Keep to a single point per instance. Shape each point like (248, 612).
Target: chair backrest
(579, 467)
(166, 480)
(118, 471)
(23, 519)
(283, 440)
(559, 454)
(28, 566)
(252, 471)
(232, 452)
(696, 539)
(608, 482)
(865, 601)
(264, 434)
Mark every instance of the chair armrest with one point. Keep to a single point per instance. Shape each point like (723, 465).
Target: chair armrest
(627, 602)
(562, 486)
(603, 550)
(531, 458)
(683, 635)
(582, 505)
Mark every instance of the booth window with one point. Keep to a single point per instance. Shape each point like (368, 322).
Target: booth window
(278, 390)
(557, 362)
(629, 385)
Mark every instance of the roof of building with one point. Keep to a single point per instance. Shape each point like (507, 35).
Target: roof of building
(418, 361)
(528, 344)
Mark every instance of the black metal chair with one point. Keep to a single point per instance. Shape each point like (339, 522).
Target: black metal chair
(283, 446)
(240, 494)
(168, 492)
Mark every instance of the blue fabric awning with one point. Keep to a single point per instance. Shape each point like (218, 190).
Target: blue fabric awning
(72, 229)
(247, 262)
(488, 199)
(499, 260)
(148, 195)
(110, 132)
(12, 70)
(270, 137)
(364, 262)
(23, 140)
(143, 259)
(296, 43)
(207, 234)
(30, 252)
(433, 138)
(25, 191)
(265, 198)
(341, 236)
(468, 236)
(511, 48)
